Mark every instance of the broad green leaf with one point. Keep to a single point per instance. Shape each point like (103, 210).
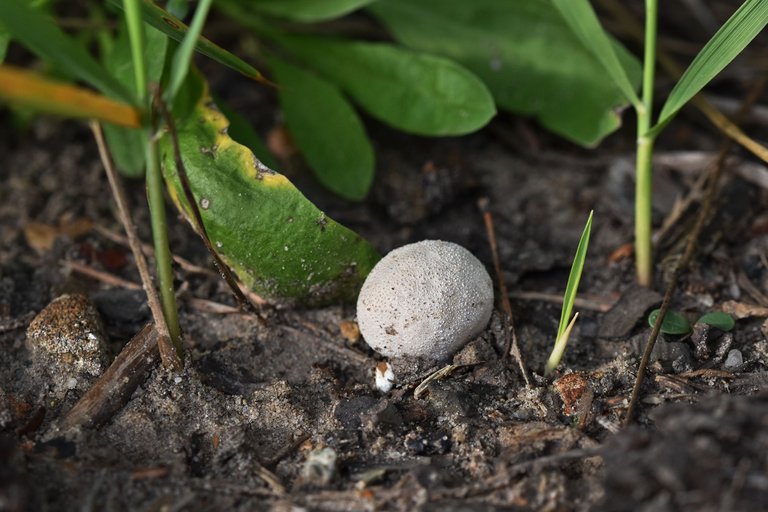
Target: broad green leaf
(306, 10)
(525, 53)
(39, 33)
(183, 57)
(719, 319)
(411, 91)
(327, 130)
(272, 237)
(724, 46)
(582, 20)
(27, 89)
(673, 323)
(577, 267)
(176, 30)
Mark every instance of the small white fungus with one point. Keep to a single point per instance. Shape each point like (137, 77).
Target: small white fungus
(385, 377)
(425, 299)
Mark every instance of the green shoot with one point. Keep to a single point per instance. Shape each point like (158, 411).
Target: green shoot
(566, 323)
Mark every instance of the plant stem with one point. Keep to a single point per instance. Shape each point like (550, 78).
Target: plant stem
(162, 250)
(136, 35)
(644, 167)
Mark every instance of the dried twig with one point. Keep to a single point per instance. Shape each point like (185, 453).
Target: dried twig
(683, 262)
(115, 387)
(512, 346)
(104, 277)
(167, 353)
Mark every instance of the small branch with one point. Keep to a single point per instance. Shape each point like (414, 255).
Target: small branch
(167, 353)
(512, 346)
(104, 277)
(114, 388)
(683, 262)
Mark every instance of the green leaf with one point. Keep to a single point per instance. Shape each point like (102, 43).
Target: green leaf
(719, 319)
(127, 149)
(577, 267)
(176, 30)
(40, 34)
(724, 46)
(327, 130)
(183, 56)
(525, 53)
(580, 16)
(673, 323)
(411, 91)
(306, 10)
(242, 131)
(273, 238)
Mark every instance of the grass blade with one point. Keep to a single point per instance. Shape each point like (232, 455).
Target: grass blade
(40, 34)
(560, 343)
(574, 277)
(35, 91)
(177, 30)
(136, 37)
(564, 329)
(582, 20)
(724, 46)
(183, 57)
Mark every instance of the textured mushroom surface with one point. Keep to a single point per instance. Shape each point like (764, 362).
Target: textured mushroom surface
(425, 299)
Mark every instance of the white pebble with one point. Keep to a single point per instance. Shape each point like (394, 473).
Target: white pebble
(734, 359)
(425, 299)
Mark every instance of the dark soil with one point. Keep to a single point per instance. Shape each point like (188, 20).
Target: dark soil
(279, 410)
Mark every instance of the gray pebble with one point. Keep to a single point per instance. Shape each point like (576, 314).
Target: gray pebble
(734, 359)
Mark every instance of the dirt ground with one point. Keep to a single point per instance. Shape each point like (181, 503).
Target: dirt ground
(280, 412)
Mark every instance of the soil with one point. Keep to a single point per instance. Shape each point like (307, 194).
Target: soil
(278, 411)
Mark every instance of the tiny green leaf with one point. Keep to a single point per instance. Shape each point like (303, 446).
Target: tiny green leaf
(583, 21)
(724, 46)
(411, 91)
(39, 33)
(719, 319)
(673, 323)
(327, 130)
(306, 11)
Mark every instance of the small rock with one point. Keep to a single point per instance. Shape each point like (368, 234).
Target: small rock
(734, 359)
(67, 336)
(571, 388)
(385, 377)
(320, 467)
(425, 299)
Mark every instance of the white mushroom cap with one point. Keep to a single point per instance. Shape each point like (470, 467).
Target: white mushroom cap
(425, 299)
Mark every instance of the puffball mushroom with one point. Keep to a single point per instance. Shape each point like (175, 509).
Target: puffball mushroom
(425, 299)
